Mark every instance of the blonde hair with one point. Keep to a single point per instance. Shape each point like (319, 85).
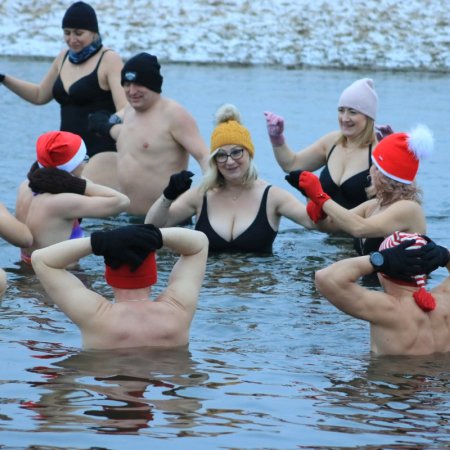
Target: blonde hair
(366, 138)
(213, 179)
(388, 191)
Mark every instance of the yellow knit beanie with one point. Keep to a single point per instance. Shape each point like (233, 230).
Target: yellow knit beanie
(229, 130)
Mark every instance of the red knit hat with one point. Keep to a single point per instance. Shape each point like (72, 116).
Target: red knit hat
(397, 156)
(60, 149)
(422, 297)
(124, 278)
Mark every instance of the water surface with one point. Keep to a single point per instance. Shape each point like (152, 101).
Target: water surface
(271, 364)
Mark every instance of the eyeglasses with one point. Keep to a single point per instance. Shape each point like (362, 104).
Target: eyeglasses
(235, 154)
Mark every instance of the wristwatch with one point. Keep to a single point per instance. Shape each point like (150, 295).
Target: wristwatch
(114, 119)
(377, 260)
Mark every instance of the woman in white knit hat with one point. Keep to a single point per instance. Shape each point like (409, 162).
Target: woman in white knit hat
(345, 154)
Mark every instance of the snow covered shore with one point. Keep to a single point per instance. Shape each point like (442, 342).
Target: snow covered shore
(387, 34)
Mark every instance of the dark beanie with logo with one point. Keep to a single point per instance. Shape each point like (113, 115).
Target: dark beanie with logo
(143, 69)
(81, 16)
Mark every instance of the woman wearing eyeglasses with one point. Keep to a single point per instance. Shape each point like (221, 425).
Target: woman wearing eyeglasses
(234, 208)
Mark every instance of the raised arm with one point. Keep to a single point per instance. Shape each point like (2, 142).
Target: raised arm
(177, 202)
(310, 158)
(69, 293)
(338, 284)
(187, 275)
(38, 94)
(14, 231)
(97, 201)
(287, 205)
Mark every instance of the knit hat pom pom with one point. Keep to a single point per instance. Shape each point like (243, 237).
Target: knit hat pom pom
(421, 142)
(424, 300)
(226, 113)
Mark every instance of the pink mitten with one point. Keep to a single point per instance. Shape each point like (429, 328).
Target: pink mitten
(275, 127)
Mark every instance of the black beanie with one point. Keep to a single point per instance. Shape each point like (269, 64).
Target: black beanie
(143, 69)
(81, 16)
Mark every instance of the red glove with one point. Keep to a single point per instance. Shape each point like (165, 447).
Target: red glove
(315, 212)
(310, 183)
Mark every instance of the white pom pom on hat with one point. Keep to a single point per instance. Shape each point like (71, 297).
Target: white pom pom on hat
(398, 155)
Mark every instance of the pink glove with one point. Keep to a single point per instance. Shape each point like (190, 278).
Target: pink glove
(275, 127)
(310, 183)
(315, 212)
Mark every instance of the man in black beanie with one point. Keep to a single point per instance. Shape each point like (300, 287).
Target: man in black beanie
(155, 135)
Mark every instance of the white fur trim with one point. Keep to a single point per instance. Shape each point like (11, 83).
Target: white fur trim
(421, 142)
(71, 165)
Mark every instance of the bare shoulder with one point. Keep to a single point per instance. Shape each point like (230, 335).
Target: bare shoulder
(110, 55)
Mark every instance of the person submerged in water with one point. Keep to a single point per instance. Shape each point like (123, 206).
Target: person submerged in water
(234, 208)
(55, 197)
(133, 319)
(405, 319)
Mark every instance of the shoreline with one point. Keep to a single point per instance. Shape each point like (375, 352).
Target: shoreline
(306, 67)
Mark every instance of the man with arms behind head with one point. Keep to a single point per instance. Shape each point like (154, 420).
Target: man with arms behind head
(405, 319)
(155, 135)
(133, 320)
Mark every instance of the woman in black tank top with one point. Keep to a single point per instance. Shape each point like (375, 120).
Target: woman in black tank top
(83, 79)
(236, 210)
(344, 155)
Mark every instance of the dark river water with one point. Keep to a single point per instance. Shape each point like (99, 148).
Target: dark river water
(271, 364)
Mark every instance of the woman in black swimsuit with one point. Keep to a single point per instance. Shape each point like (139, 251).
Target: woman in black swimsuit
(83, 79)
(345, 155)
(236, 210)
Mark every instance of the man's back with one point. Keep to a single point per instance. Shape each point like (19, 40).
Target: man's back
(159, 323)
(408, 330)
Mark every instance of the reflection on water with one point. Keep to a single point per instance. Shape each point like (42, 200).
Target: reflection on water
(270, 364)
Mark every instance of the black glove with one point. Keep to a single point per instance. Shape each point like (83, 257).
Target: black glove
(434, 256)
(401, 263)
(33, 168)
(129, 244)
(2, 77)
(178, 183)
(292, 178)
(101, 122)
(55, 181)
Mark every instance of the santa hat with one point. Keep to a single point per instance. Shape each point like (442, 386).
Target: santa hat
(422, 297)
(124, 278)
(397, 156)
(60, 149)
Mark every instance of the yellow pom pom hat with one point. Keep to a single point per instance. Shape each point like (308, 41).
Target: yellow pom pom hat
(230, 131)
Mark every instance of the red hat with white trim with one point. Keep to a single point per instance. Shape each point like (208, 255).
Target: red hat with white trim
(398, 155)
(422, 297)
(60, 149)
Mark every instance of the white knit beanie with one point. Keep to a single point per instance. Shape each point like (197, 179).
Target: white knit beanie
(361, 96)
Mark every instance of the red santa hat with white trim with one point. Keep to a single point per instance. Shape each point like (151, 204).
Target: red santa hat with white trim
(60, 149)
(398, 155)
